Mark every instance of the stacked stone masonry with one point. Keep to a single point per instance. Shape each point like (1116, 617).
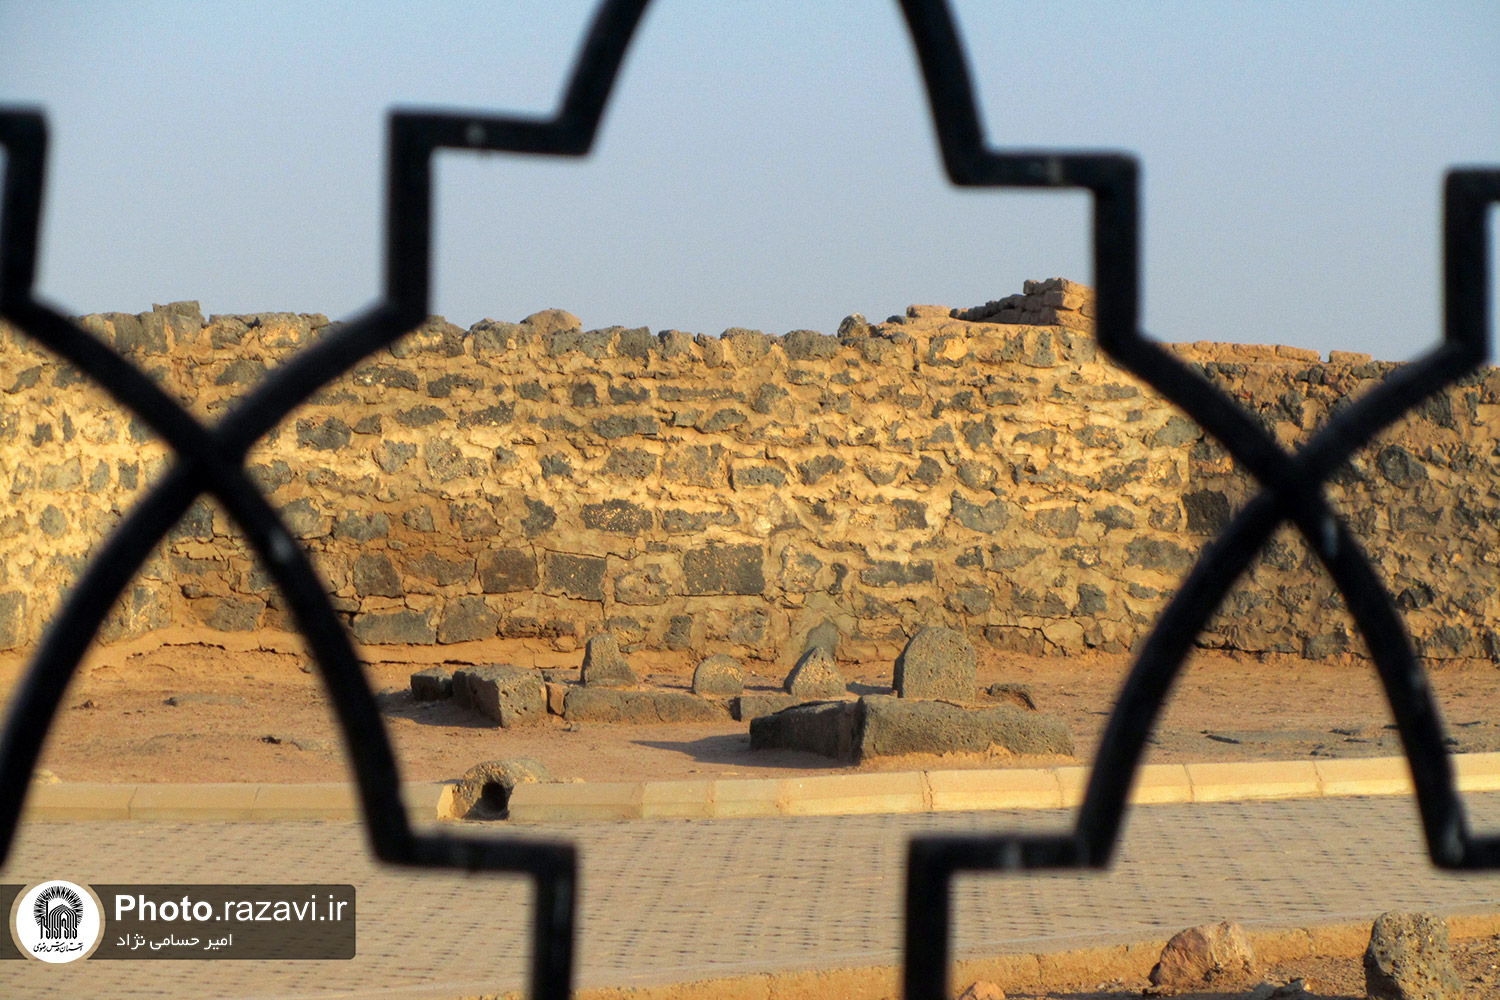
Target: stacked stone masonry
(726, 493)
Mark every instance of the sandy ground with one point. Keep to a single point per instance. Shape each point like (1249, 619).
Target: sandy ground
(1476, 961)
(260, 714)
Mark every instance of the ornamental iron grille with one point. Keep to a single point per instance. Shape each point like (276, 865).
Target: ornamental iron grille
(211, 460)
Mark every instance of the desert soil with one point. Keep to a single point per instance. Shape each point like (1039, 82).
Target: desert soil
(1476, 961)
(253, 709)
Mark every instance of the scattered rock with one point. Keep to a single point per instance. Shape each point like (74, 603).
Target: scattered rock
(936, 663)
(42, 776)
(432, 684)
(1209, 954)
(815, 676)
(308, 743)
(603, 666)
(510, 695)
(556, 693)
(204, 698)
(982, 990)
(1407, 959)
(484, 790)
(1015, 694)
(719, 676)
(1296, 989)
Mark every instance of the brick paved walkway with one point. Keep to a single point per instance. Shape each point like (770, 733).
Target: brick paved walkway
(681, 900)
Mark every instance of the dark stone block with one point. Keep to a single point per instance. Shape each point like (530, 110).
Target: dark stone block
(394, 627)
(820, 467)
(723, 420)
(992, 517)
(724, 569)
(556, 465)
(331, 434)
(767, 396)
(895, 726)
(1207, 511)
(432, 684)
(1090, 600)
(388, 376)
(490, 416)
(1154, 553)
(617, 515)
(679, 634)
(420, 416)
(802, 345)
(360, 527)
(748, 477)
(603, 666)
(375, 575)
(512, 696)
(1114, 516)
(581, 577)
(1177, 431)
(466, 619)
(586, 704)
(928, 471)
(829, 729)
(1057, 522)
(504, 571)
(893, 573)
(234, 615)
(539, 517)
(630, 463)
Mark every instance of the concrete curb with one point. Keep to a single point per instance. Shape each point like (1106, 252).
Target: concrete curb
(815, 795)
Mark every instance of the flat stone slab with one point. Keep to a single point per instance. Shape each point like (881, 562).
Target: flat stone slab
(592, 704)
(885, 726)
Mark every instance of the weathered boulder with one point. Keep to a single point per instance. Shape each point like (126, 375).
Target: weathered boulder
(604, 666)
(901, 725)
(596, 704)
(1015, 694)
(1407, 959)
(883, 726)
(815, 676)
(1206, 955)
(827, 728)
(719, 676)
(484, 790)
(936, 663)
(510, 695)
(752, 706)
(431, 684)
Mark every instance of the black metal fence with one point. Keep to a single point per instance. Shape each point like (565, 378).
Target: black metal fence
(211, 460)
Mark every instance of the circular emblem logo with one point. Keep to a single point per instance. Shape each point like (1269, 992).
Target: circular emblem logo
(57, 921)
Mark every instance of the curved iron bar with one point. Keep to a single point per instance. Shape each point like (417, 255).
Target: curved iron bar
(1292, 491)
(211, 460)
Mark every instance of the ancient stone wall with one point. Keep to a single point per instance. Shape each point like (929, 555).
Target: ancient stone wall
(724, 493)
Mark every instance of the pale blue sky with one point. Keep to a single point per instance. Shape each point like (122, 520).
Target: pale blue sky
(767, 164)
